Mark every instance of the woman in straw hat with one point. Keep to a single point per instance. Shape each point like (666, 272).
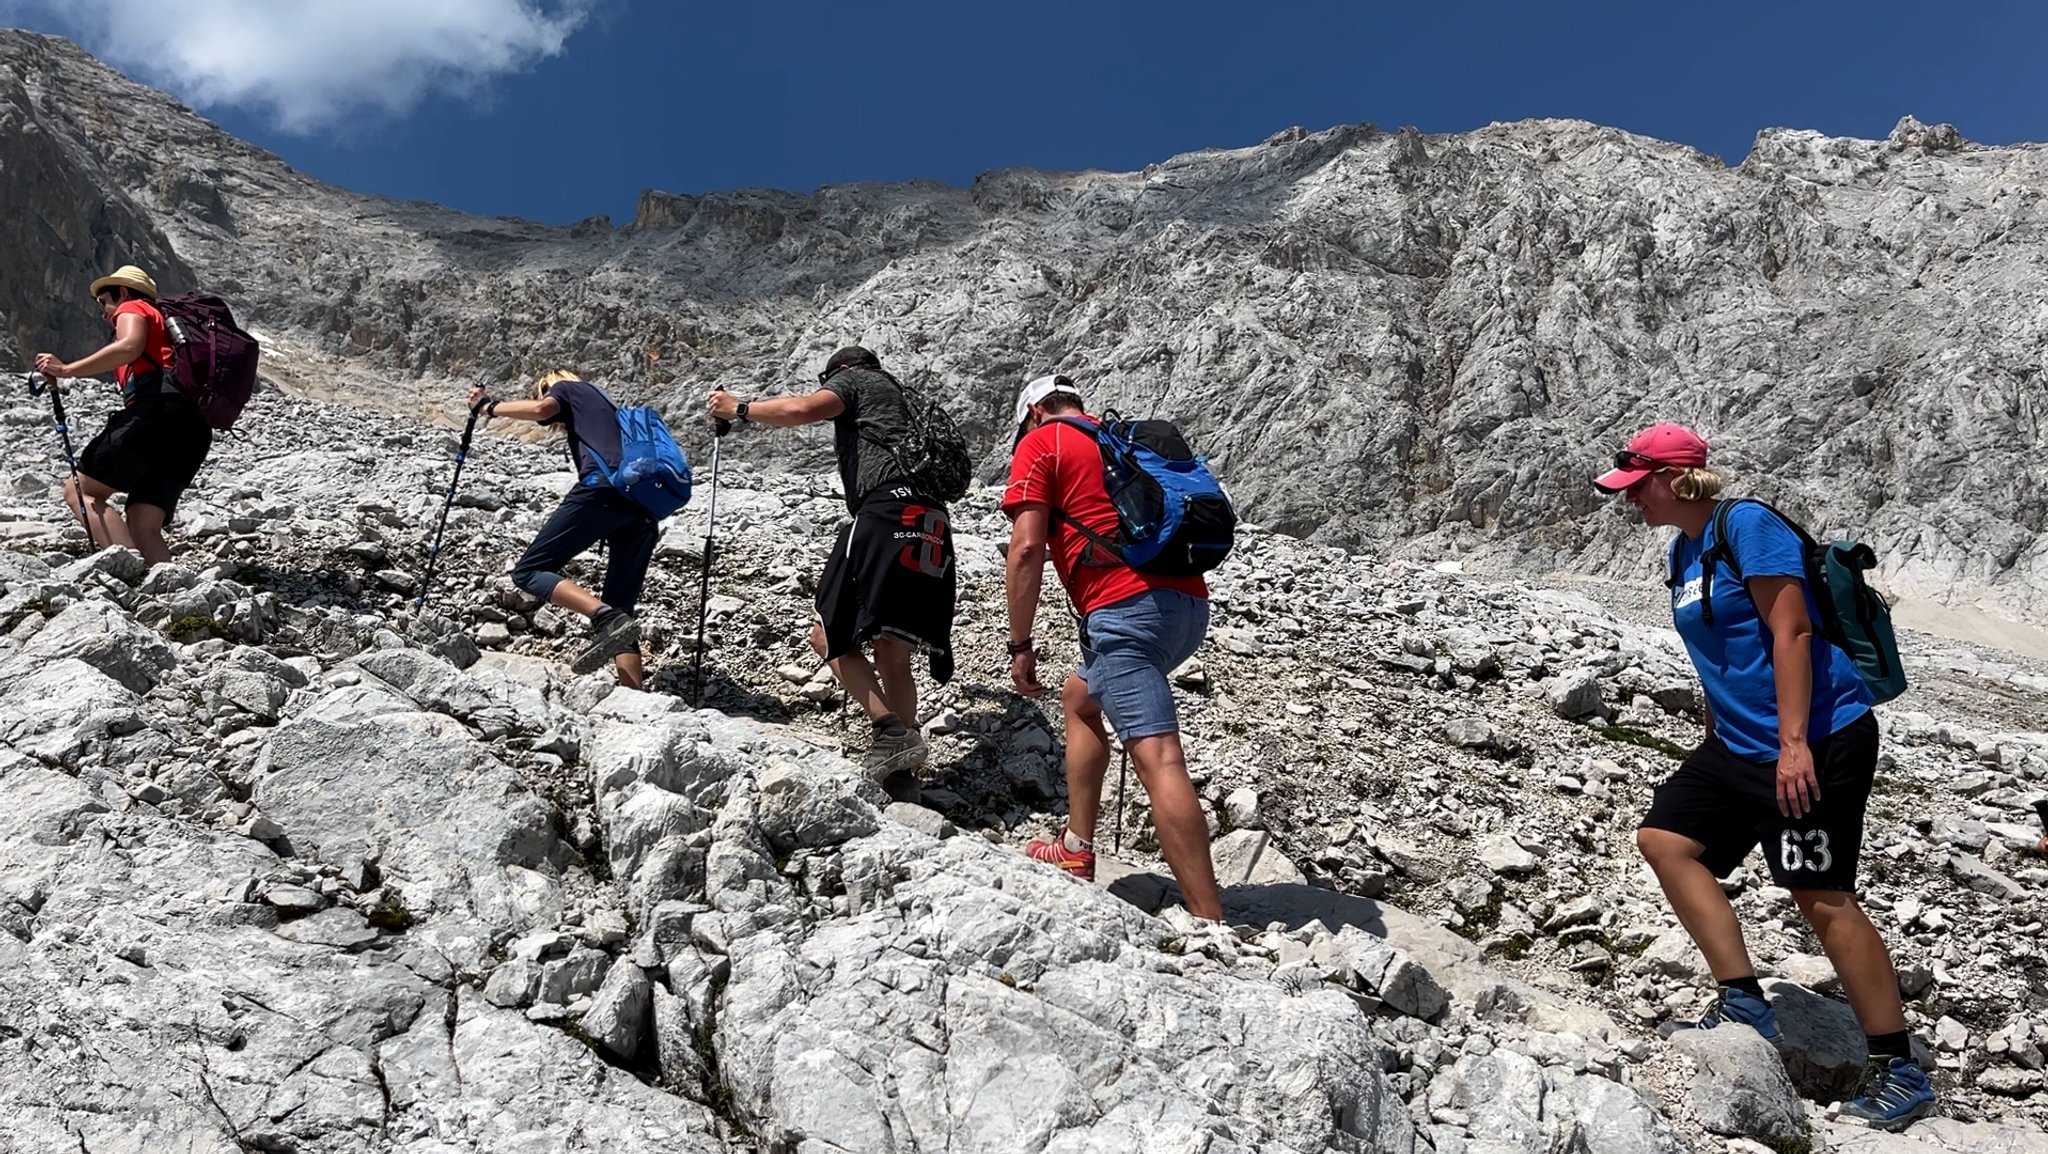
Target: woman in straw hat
(588, 514)
(154, 445)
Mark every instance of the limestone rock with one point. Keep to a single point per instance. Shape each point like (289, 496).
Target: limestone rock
(1742, 1088)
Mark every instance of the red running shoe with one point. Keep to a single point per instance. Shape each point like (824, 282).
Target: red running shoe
(1054, 851)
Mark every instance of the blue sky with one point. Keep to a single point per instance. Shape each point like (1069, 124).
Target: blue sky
(560, 109)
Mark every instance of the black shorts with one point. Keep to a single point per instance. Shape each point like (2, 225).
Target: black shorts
(891, 573)
(1730, 804)
(150, 450)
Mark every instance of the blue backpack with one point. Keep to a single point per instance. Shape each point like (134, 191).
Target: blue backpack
(652, 472)
(1173, 518)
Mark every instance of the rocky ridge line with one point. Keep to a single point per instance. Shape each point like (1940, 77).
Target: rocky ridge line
(1416, 344)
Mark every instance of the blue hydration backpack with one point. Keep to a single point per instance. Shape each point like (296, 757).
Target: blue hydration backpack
(1853, 616)
(652, 472)
(1173, 518)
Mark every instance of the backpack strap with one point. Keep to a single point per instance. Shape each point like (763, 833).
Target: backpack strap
(1725, 551)
(604, 471)
(1712, 555)
(1100, 540)
(913, 419)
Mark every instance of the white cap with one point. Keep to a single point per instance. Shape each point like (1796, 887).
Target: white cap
(1038, 390)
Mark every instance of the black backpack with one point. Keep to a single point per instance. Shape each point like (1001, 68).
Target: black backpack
(933, 454)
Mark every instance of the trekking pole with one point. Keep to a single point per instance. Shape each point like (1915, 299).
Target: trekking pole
(36, 384)
(1123, 775)
(718, 431)
(441, 524)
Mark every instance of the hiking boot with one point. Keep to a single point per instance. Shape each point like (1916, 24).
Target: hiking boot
(1731, 1005)
(1894, 1092)
(892, 754)
(1054, 852)
(618, 635)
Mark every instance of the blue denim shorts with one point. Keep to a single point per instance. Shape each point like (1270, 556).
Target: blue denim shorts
(1128, 648)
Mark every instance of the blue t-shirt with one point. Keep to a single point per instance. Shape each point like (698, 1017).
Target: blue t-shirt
(1733, 657)
(593, 425)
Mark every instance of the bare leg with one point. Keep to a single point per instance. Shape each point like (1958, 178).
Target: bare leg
(632, 674)
(899, 684)
(101, 519)
(857, 674)
(1087, 757)
(1177, 815)
(575, 598)
(1859, 955)
(146, 529)
(1698, 901)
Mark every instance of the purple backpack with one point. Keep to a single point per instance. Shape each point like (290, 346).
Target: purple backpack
(214, 361)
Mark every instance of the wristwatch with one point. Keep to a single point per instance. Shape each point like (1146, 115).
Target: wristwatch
(742, 413)
(1018, 648)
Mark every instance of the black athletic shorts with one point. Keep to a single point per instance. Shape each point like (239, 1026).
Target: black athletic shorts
(1730, 804)
(150, 450)
(891, 573)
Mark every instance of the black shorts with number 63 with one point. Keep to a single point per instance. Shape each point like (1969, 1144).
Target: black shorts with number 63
(1730, 804)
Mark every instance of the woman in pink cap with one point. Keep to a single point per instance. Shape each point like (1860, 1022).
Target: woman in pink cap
(1787, 761)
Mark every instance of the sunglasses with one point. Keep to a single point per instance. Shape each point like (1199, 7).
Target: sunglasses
(1628, 460)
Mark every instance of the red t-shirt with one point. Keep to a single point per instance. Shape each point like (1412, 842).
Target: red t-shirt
(156, 344)
(1060, 467)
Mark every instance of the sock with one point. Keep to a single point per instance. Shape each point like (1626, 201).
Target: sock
(1074, 842)
(605, 615)
(1895, 1045)
(1748, 985)
(889, 725)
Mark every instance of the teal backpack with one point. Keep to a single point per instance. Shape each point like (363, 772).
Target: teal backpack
(1853, 616)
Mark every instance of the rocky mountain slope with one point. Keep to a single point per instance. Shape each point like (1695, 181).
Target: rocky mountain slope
(1416, 344)
(285, 866)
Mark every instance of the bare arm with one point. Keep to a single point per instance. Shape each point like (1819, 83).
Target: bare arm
(1023, 577)
(1782, 602)
(544, 409)
(130, 331)
(782, 412)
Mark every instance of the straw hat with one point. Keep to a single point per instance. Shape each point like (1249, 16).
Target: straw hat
(128, 277)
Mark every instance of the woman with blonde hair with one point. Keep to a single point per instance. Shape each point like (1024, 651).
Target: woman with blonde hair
(1787, 761)
(593, 511)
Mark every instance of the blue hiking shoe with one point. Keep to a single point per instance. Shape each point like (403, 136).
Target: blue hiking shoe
(1731, 1005)
(1895, 1092)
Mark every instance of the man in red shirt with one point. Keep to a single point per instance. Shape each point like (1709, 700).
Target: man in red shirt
(1135, 628)
(153, 447)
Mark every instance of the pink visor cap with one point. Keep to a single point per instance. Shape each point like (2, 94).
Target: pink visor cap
(1665, 446)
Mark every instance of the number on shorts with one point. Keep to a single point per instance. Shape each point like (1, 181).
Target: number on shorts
(1805, 852)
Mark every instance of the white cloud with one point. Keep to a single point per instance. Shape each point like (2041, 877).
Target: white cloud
(312, 65)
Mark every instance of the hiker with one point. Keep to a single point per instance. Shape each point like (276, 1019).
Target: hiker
(591, 512)
(889, 582)
(154, 445)
(1787, 760)
(1135, 627)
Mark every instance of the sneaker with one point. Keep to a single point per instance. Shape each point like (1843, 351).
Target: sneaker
(1894, 1092)
(889, 756)
(1054, 852)
(619, 635)
(1731, 1005)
